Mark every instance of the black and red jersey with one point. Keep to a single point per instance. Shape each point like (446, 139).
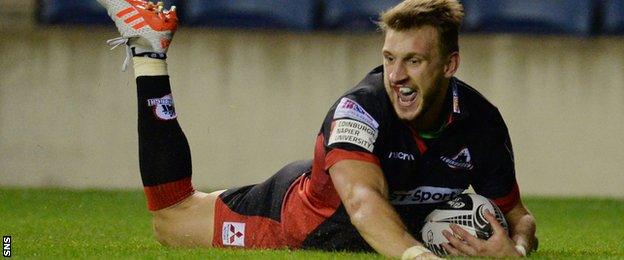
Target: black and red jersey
(421, 169)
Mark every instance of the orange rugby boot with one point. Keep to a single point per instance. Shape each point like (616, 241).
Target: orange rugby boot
(146, 28)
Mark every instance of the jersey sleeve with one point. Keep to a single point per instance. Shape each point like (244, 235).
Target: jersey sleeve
(351, 129)
(496, 178)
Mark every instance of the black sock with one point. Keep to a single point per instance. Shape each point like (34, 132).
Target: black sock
(164, 153)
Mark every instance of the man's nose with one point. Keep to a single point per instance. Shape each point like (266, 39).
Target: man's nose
(398, 74)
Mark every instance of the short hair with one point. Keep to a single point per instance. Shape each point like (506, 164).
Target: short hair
(445, 15)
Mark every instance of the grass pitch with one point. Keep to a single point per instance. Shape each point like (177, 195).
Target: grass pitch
(58, 223)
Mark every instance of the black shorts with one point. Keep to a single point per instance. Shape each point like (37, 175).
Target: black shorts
(281, 213)
(251, 216)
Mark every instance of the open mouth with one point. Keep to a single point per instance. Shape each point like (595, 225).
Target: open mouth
(406, 96)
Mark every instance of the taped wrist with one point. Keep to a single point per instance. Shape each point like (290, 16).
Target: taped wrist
(521, 250)
(413, 252)
(145, 66)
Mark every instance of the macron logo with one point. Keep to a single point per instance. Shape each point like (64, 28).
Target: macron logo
(401, 156)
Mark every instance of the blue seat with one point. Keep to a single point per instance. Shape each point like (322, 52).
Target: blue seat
(613, 17)
(358, 15)
(269, 14)
(530, 16)
(75, 12)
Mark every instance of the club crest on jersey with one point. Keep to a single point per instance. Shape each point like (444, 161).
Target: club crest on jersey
(460, 161)
(351, 109)
(233, 234)
(163, 107)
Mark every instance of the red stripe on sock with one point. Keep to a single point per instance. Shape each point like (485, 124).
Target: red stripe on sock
(125, 12)
(167, 194)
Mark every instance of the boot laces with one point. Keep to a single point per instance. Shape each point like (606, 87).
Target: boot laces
(116, 42)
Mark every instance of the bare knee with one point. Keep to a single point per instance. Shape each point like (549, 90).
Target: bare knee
(163, 230)
(186, 224)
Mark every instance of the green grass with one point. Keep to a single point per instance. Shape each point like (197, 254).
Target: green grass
(85, 224)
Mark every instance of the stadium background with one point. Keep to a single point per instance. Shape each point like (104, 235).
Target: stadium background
(252, 100)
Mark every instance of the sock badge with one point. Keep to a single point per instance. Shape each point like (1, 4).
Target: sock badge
(163, 107)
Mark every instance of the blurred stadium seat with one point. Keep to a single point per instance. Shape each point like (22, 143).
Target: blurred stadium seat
(613, 17)
(75, 12)
(530, 16)
(274, 14)
(354, 14)
(574, 17)
(72, 12)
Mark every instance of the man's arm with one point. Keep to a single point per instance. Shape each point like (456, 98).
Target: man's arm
(364, 192)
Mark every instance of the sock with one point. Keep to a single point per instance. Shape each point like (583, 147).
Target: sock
(164, 153)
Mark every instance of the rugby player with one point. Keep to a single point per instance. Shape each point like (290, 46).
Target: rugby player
(409, 136)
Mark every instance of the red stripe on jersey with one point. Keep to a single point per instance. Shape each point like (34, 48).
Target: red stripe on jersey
(336, 155)
(422, 147)
(507, 202)
(318, 162)
(167, 194)
(320, 189)
(303, 211)
(124, 12)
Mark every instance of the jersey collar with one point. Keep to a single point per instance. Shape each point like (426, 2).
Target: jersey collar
(455, 109)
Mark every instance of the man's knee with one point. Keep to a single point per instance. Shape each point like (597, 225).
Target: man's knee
(161, 233)
(186, 224)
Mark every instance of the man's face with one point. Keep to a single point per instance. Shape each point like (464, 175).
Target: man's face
(414, 71)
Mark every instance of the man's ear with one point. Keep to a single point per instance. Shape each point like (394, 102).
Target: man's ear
(452, 64)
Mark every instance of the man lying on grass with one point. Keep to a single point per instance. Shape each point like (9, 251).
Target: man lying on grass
(406, 138)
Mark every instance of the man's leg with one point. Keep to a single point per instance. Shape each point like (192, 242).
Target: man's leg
(182, 216)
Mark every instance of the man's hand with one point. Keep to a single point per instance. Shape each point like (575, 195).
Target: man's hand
(498, 245)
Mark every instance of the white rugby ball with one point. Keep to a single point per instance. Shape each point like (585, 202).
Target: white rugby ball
(466, 210)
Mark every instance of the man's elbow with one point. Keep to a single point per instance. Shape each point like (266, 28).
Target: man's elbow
(360, 206)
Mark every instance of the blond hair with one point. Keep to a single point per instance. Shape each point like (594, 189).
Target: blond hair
(445, 15)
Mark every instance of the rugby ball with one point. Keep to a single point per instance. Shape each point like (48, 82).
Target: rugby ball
(465, 210)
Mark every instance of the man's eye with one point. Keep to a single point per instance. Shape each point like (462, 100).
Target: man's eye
(414, 61)
(388, 58)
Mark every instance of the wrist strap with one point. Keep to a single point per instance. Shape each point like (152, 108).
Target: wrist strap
(413, 252)
(153, 55)
(521, 250)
